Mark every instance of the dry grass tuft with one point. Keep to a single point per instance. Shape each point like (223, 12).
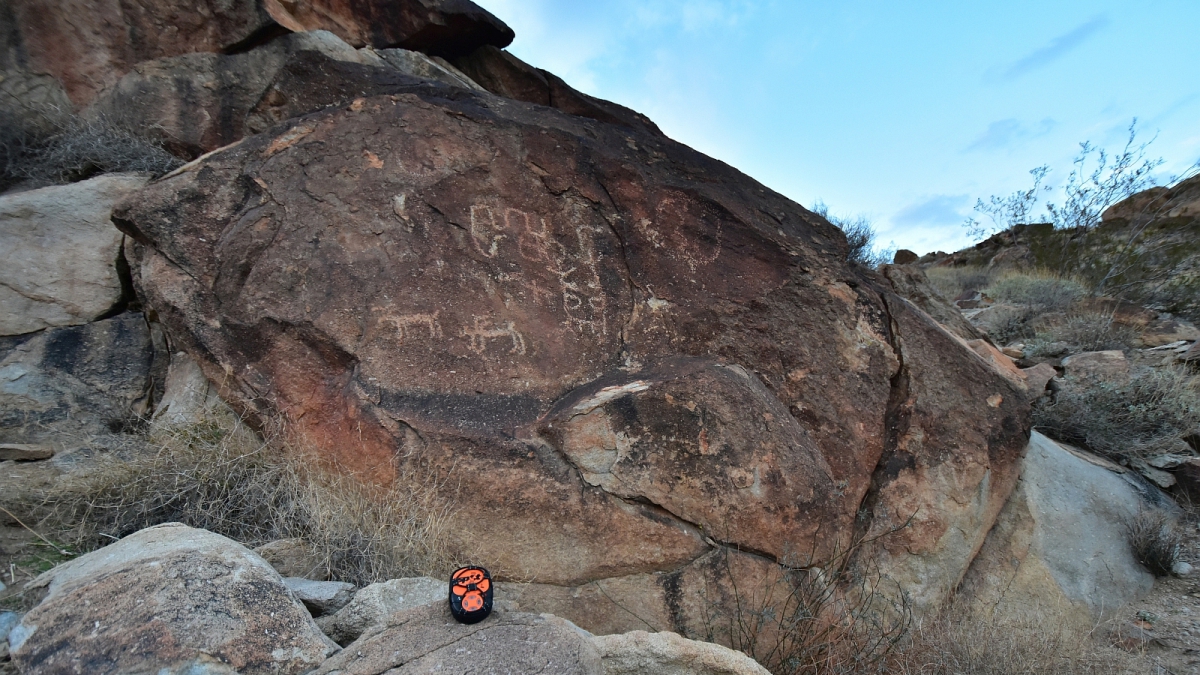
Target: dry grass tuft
(952, 282)
(220, 476)
(1156, 541)
(1084, 332)
(957, 643)
(1046, 291)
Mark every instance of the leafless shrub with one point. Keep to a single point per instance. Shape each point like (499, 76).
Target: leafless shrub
(77, 148)
(860, 237)
(224, 478)
(1148, 415)
(1005, 325)
(1088, 332)
(834, 618)
(1155, 539)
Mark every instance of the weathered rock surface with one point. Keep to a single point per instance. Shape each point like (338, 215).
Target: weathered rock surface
(187, 396)
(58, 253)
(505, 75)
(911, 283)
(1166, 331)
(639, 652)
(427, 639)
(77, 381)
(294, 558)
(89, 46)
(198, 102)
(1037, 377)
(372, 605)
(320, 597)
(1060, 546)
(167, 597)
(626, 352)
(1109, 365)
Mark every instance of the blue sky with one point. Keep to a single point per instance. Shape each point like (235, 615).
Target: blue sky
(905, 112)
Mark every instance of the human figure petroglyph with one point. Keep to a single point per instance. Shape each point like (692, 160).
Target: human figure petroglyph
(405, 324)
(480, 334)
(569, 256)
(484, 231)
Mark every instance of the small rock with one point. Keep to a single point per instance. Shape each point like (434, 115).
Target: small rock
(372, 605)
(24, 453)
(293, 558)
(1173, 345)
(1165, 331)
(1182, 569)
(1105, 365)
(1038, 377)
(320, 597)
(1133, 636)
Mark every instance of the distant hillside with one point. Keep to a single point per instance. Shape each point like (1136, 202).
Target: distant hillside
(1146, 249)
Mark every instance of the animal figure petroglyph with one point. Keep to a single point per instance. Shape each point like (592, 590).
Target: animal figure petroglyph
(406, 323)
(480, 334)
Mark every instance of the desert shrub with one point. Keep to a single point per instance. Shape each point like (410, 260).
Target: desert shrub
(1148, 415)
(77, 148)
(1006, 325)
(952, 282)
(1082, 332)
(1038, 289)
(1155, 539)
(221, 477)
(830, 618)
(860, 237)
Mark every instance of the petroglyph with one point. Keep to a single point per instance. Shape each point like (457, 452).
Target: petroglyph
(412, 326)
(481, 333)
(677, 215)
(484, 231)
(569, 255)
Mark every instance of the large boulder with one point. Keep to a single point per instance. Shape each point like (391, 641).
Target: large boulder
(911, 283)
(167, 598)
(88, 46)
(614, 354)
(59, 253)
(505, 75)
(427, 639)
(1061, 545)
(195, 103)
(75, 382)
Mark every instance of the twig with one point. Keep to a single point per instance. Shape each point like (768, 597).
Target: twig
(61, 551)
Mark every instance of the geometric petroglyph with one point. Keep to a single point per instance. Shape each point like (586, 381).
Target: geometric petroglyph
(481, 333)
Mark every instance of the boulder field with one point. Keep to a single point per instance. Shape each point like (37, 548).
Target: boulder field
(614, 354)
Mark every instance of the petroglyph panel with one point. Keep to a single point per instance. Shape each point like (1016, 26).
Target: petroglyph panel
(484, 330)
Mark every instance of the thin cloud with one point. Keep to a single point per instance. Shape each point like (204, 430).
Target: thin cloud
(936, 210)
(1005, 133)
(1056, 49)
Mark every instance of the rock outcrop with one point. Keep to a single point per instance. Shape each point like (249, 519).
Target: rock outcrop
(167, 598)
(640, 652)
(59, 254)
(624, 352)
(372, 606)
(1061, 545)
(87, 47)
(428, 639)
(74, 382)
